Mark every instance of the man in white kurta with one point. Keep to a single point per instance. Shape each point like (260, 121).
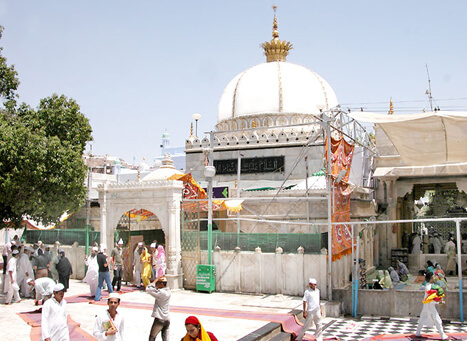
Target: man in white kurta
(44, 288)
(429, 315)
(436, 244)
(25, 271)
(54, 320)
(311, 310)
(92, 275)
(450, 250)
(11, 284)
(416, 242)
(110, 325)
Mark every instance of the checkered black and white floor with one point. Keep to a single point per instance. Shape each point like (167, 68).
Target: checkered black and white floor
(365, 327)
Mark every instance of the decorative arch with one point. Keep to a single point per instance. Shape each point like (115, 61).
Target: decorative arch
(160, 197)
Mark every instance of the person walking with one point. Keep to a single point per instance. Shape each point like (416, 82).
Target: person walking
(450, 250)
(138, 266)
(110, 325)
(161, 266)
(25, 271)
(64, 269)
(160, 311)
(104, 274)
(429, 315)
(6, 254)
(55, 258)
(41, 264)
(117, 262)
(92, 274)
(311, 310)
(11, 283)
(153, 251)
(54, 321)
(147, 272)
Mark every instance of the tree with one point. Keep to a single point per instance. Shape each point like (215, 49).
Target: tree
(42, 171)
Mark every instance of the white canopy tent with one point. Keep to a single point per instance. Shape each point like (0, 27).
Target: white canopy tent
(424, 139)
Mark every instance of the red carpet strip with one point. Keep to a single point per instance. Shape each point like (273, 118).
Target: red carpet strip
(33, 318)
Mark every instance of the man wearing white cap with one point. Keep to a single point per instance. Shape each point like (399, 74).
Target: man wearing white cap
(92, 274)
(11, 285)
(6, 253)
(117, 261)
(44, 288)
(54, 321)
(110, 324)
(311, 310)
(137, 263)
(153, 251)
(161, 312)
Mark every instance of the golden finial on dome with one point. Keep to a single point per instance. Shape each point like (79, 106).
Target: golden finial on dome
(191, 129)
(276, 50)
(391, 107)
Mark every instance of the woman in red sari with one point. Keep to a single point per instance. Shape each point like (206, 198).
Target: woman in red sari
(196, 332)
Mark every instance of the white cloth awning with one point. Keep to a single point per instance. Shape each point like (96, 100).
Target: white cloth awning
(454, 169)
(424, 139)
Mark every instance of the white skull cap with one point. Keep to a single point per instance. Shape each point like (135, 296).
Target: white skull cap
(114, 295)
(312, 281)
(59, 287)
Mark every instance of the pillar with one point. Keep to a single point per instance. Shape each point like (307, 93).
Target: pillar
(103, 236)
(279, 272)
(174, 273)
(259, 271)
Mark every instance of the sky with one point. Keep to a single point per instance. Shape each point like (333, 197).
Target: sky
(140, 67)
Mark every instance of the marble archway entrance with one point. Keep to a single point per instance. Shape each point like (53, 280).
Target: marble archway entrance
(160, 197)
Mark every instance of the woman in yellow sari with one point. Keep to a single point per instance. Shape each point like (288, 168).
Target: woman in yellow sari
(147, 270)
(196, 332)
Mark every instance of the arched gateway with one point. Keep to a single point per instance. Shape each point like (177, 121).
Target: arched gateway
(160, 197)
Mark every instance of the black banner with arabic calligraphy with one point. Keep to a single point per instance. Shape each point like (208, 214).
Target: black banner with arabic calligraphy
(251, 165)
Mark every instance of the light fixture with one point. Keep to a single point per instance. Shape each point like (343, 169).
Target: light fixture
(196, 117)
(209, 171)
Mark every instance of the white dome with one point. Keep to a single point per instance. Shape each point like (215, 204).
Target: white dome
(143, 166)
(275, 88)
(161, 174)
(165, 171)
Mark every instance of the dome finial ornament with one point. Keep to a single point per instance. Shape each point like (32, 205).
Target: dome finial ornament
(276, 50)
(275, 30)
(391, 107)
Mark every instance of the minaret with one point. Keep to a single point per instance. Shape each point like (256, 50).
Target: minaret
(276, 50)
(391, 107)
(165, 141)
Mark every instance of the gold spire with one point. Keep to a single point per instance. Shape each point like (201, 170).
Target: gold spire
(391, 107)
(191, 129)
(276, 50)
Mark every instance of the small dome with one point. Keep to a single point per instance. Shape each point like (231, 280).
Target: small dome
(165, 171)
(166, 135)
(143, 166)
(276, 88)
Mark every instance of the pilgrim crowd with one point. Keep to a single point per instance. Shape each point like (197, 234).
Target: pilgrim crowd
(43, 273)
(32, 271)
